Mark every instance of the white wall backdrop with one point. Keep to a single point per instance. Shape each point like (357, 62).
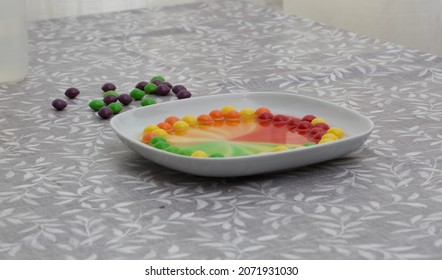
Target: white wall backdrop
(413, 23)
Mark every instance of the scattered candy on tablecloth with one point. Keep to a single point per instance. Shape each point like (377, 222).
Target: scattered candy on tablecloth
(59, 104)
(141, 85)
(147, 102)
(72, 92)
(96, 104)
(125, 99)
(157, 78)
(105, 112)
(115, 107)
(227, 132)
(183, 94)
(110, 99)
(111, 92)
(162, 90)
(137, 94)
(150, 88)
(169, 85)
(178, 88)
(108, 86)
(157, 85)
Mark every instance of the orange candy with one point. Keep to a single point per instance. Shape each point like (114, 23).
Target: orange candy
(261, 110)
(205, 119)
(147, 137)
(217, 115)
(165, 125)
(233, 123)
(171, 120)
(218, 123)
(233, 116)
(227, 108)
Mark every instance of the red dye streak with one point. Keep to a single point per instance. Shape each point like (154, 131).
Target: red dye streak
(272, 134)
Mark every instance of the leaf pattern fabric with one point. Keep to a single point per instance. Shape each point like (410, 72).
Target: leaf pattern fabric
(71, 190)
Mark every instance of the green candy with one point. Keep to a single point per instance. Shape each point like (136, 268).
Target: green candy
(172, 149)
(308, 144)
(157, 78)
(115, 107)
(137, 94)
(157, 139)
(96, 104)
(216, 155)
(150, 88)
(147, 101)
(185, 152)
(110, 92)
(161, 145)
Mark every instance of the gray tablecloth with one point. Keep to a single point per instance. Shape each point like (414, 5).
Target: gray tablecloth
(70, 189)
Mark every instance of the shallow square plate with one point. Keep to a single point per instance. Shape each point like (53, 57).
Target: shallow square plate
(129, 125)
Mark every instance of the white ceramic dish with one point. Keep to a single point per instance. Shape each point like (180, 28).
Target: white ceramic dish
(129, 125)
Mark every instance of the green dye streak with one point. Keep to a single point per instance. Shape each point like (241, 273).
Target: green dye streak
(157, 139)
(172, 149)
(231, 149)
(216, 155)
(161, 145)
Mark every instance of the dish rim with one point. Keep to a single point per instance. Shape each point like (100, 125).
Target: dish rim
(117, 130)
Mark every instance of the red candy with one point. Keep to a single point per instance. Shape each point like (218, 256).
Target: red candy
(316, 137)
(315, 130)
(265, 117)
(261, 110)
(293, 122)
(304, 126)
(280, 119)
(316, 133)
(323, 126)
(308, 118)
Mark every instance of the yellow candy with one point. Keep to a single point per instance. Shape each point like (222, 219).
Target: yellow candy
(247, 113)
(199, 154)
(161, 132)
(318, 120)
(329, 136)
(227, 108)
(336, 131)
(180, 125)
(150, 128)
(280, 148)
(190, 120)
(326, 140)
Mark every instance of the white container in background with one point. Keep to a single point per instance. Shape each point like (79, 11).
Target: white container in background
(13, 41)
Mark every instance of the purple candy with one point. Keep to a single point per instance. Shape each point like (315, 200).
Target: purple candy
(125, 99)
(163, 90)
(108, 86)
(141, 85)
(110, 99)
(156, 82)
(59, 104)
(183, 94)
(167, 84)
(178, 88)
(72, 92)
(105, 112)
